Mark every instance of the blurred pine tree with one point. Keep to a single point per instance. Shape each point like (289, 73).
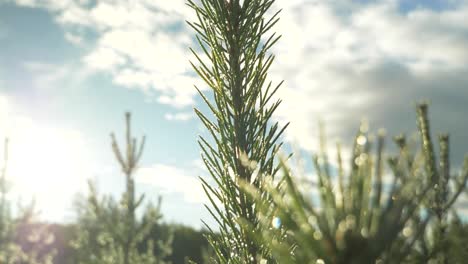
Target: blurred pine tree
(111, 232)
(371, 216)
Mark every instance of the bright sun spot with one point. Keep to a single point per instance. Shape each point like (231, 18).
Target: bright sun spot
(44, 162)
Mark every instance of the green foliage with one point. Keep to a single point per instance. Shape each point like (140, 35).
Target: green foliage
(234, 63)
(457, 240)
(362, 218)
(435, 244)
(370, 216)
(110, 232)
(187, 243)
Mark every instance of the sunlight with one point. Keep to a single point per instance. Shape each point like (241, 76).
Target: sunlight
(46, 162)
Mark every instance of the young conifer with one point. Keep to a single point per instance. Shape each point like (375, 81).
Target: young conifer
(433, 247)
(110, 232)
(235, 40)
(366, 217)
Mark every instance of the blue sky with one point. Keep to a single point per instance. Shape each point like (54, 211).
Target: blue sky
(70, 69)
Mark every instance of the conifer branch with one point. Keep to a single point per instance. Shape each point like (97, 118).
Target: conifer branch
(233, 36)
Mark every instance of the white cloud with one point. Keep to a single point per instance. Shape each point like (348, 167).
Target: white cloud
(75, 15)
(104, 59)
(344, 60)
(130, 78)
(178, 101)
(141, 44)
(55, 5)
(74, 39)
(49, 76)
(172, 179)
(129, 14)
(181, 116)
(28, 3)
(159, 53)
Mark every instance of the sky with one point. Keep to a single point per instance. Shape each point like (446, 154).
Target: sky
(70, 69)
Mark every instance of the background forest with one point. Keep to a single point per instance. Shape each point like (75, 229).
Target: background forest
(275, 188)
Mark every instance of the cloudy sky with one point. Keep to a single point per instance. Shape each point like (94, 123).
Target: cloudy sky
(69, 69)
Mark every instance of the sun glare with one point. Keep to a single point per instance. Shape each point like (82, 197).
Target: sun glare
(45, 162)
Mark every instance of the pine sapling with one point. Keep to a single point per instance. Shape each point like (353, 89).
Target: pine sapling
(370, 215)
(111, 232)
(234, 60)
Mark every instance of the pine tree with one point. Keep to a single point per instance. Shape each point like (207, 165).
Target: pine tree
(361, 218)
(434, 246)
(111, 232)
(234, 37)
